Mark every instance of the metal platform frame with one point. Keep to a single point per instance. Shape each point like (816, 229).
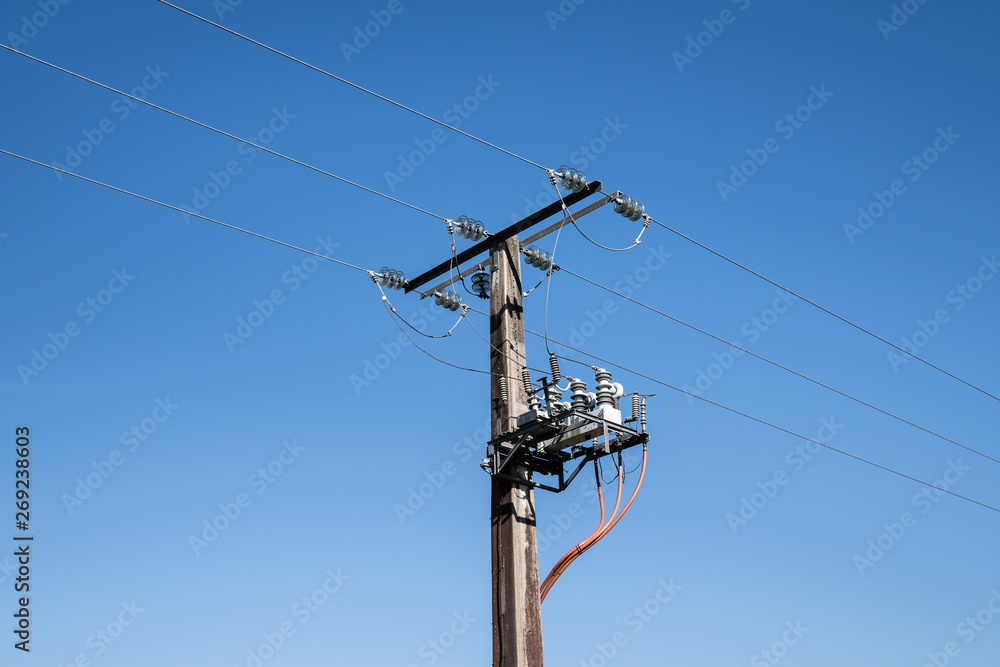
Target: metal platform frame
(524, 445)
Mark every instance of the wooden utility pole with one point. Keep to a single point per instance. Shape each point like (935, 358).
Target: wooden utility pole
(517, 612)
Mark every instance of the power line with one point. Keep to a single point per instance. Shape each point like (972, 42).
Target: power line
(349, 83)
(224, 133)
(176, 208)
(752, 418)
(825, 310)
(782, 367)
(417, 208)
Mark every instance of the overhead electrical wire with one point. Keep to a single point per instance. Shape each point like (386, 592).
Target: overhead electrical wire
(825, 310)
(369, 272)
(226, 134)
(196, 215)
(349, 83)
(767, 423)
(349, 182)
(515, 155)
(421, 210)
(747, 416)
(781, 366)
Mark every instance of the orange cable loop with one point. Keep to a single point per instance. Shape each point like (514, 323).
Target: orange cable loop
(602, 530)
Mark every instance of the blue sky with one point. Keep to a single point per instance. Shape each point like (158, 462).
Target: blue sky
(845, 150)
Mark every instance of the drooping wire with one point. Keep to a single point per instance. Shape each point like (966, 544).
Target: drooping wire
(225, 134)
(547, 274)
(606, 481)
(196, 215)
(395, 312)
(604, 247)
(825, 310)
(349, 83)
(783, 367)
(645, 221)
(394, 316)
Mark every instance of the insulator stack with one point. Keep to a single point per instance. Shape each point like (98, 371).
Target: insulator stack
(628, 207)
(554, 364)
(534, 403)
(605, 390)
(571, 179)
(580, 397)
(636, 407)
(390, 278)
(469, 228)
(504, 395)
(526, 380)
(538, 258)
(448, 299)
